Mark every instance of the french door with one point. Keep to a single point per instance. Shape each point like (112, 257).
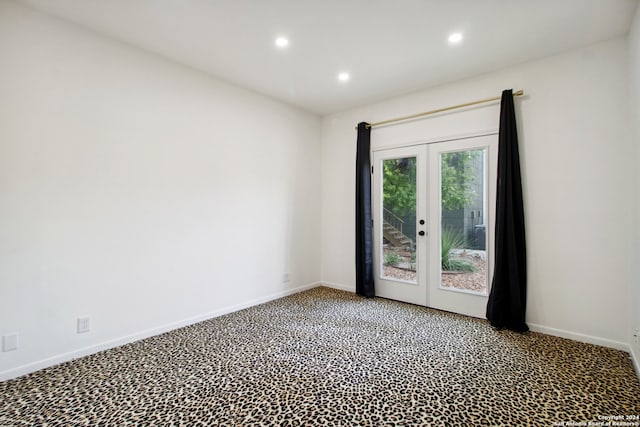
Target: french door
(433, 223)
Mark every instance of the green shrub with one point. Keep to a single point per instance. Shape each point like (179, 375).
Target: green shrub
(391, 258)
(460, 265)
(451, 239)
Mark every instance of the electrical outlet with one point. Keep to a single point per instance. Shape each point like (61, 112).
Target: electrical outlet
(636, 336)
(10, 342)
(83, 325)
(285, 277)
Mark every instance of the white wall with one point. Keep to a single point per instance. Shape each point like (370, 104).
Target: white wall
(147, 195)
(634, 73)
(576, 156)
(139, 192)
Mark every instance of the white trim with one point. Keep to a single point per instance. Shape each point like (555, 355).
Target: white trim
(465, 291)
(339, 286)
(447, 138)
(65, 357)
(575, 336)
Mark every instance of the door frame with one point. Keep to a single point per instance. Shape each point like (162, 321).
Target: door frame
(457, 300)
(401, 290)
(427, 291)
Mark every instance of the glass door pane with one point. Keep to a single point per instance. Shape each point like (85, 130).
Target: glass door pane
(399, 220)
(400, 224)
(463, 232)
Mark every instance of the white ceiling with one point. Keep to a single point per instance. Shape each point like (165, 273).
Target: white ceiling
(390, 47)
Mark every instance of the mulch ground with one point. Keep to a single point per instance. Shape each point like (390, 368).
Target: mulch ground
(471, 281)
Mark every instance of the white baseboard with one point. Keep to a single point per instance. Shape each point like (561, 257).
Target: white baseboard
(65, 357)
(339, 286)
(85, 351)
(589, 339)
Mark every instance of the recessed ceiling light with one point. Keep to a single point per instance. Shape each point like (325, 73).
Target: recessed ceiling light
(343, 77)
(455, 38)
(282, 42)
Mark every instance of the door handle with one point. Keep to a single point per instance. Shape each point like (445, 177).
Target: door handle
(421, 233)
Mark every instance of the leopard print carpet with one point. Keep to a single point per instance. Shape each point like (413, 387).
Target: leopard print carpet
(330, 358)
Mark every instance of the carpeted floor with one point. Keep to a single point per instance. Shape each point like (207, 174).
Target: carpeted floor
(326, 357)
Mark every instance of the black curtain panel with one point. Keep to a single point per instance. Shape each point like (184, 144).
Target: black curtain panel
(364, 220)
(508, 297)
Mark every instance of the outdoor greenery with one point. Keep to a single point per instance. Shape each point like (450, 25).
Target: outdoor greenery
(391, 258)
(399, 195)
(399, 190)
(456, 173)
(451, 239)
(456, 177)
